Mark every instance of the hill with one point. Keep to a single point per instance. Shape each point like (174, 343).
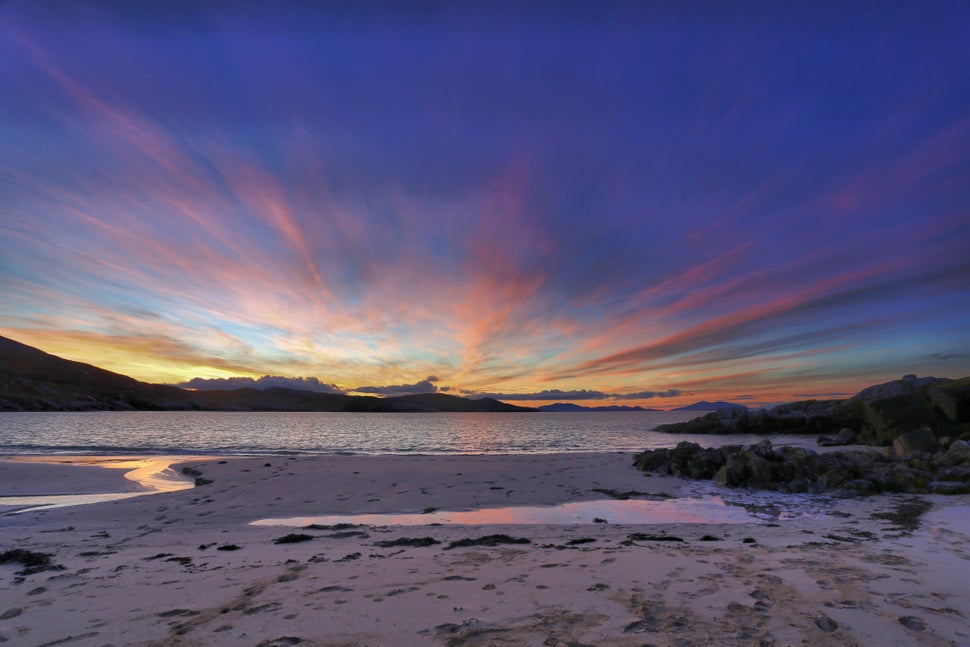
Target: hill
(569, 407)
(32, 380)
(704, 405)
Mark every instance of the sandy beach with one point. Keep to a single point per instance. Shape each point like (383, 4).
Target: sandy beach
(189, 567)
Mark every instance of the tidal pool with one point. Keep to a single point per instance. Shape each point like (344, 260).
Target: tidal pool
(709, 509)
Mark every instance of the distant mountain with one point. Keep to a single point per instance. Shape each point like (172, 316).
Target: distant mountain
(561, 407)
(32, 380)
(704, 405)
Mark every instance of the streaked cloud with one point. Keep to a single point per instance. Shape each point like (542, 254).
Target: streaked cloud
(946, 356)
(524, 203)
(549, 395)
(264, 382)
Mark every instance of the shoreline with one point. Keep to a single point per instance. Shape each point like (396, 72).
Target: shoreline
(188, 568)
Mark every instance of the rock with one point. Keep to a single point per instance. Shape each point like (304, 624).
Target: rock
(954, 473)
(704, 464)
(796, 469)
(907, 386)
(846, 436)
(898, 477)
(949, 487)
(958, 452)
(919, 440)
(912, 622)
(732, 473)
(952, 398)
(826, 624)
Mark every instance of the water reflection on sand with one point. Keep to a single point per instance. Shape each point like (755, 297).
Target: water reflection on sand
(707, 509)
(149, 475)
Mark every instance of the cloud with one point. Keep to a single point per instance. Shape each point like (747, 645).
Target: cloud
(426, 385)
(265, 382)
(580, 394)
(946, 356)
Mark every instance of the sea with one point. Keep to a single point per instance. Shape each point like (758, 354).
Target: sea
(270, 433)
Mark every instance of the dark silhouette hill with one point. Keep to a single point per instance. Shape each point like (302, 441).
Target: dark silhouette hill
(569, 407)
(704, 405)
(32, 380)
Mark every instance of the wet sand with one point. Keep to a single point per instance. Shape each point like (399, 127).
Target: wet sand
(189, 568)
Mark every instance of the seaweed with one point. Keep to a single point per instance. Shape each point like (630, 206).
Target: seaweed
(33, 562)
(408, 541)
(293, 538)
(488, 540)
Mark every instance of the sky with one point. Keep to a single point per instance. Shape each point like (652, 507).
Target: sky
(643, 203)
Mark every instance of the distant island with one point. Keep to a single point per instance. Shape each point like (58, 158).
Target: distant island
(569, 407)
(32, 380)
(704, 405)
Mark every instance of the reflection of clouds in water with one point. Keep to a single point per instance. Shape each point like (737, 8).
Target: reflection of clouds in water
(709, 509)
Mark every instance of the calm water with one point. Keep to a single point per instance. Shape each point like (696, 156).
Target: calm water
(179, 432)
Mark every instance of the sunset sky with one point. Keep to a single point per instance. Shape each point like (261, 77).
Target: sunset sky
(646, 203)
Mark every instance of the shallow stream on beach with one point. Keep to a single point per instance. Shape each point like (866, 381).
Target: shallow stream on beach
(148, 475)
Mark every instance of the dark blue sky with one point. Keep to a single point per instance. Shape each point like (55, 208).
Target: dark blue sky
(749, 201)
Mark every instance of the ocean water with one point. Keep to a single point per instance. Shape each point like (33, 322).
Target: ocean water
(193, 432)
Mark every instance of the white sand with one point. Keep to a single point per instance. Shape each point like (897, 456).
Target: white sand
(146, 570)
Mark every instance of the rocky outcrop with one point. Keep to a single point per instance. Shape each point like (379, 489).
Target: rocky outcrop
(878, 415)
(795, 469)
(807, 417)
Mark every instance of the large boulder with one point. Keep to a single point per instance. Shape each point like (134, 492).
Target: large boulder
(918, 440)
(909, 385)
(958, 453)
(952, 398)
